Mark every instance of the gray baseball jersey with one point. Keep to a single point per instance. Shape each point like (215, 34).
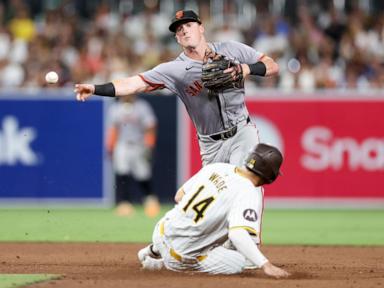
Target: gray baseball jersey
(132, 120)
(216, 199)
(182, 76)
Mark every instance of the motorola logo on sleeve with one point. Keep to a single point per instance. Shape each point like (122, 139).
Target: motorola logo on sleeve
(250, 215)
(15, 143)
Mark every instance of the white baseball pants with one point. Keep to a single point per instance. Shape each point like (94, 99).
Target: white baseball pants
(218, 260)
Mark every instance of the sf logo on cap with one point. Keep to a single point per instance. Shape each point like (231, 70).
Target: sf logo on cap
(179, 14)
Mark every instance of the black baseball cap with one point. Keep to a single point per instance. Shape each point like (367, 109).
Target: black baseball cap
(183, 16)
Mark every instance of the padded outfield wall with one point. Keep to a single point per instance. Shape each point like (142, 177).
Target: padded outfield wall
(52, 148)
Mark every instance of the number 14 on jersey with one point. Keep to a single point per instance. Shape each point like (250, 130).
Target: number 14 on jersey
(199, 207)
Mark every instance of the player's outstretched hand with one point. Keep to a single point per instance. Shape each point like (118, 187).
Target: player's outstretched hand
(274, 271)
(83, 91)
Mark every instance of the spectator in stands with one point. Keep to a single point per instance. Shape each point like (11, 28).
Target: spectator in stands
(346, 45)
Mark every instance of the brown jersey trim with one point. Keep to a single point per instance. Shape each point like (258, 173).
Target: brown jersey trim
(153, 86)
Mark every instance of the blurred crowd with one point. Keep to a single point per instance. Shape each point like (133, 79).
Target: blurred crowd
(318, 47)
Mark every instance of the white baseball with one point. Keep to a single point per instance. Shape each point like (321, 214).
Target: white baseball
(52, 77)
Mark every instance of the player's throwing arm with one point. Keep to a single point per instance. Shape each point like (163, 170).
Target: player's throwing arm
(122, 87)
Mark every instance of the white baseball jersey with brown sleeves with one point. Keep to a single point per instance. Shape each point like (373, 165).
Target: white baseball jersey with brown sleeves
(216, 200)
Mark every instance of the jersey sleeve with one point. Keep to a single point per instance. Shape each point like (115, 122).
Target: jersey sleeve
(246, 211)
(160, 77)
(244, 53)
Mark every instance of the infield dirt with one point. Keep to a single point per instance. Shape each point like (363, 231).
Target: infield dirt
(116, 265)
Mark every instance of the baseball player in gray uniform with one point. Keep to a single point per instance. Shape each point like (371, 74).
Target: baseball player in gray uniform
(217, 203)
(222, 122)
(131, 139)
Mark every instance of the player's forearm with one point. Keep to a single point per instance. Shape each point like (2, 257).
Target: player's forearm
(130, 85)
(245, 245)
(272, 68)
(121, 87)
(265, 67)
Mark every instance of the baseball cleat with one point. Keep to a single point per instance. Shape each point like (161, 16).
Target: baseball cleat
(143, 253)
(152, 264)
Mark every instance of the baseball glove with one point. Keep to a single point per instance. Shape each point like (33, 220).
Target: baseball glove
(213, 76)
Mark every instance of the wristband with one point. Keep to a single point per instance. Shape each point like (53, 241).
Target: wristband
(107, 89)
(258, 68)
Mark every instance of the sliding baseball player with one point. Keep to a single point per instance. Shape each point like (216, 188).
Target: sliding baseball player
(218, 203)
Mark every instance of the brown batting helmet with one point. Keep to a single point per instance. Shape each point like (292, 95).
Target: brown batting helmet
(265, 161)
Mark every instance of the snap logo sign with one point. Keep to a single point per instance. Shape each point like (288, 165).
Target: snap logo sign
(324, 150)
(15, 143)
(327, 155)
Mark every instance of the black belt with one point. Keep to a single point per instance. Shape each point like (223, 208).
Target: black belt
(226, 134)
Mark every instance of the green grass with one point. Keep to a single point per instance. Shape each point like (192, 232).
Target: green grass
(18, 280)
(317, 227)
(324, 227)
(75, 225)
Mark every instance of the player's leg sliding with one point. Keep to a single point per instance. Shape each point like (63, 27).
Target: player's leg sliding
(221, 260)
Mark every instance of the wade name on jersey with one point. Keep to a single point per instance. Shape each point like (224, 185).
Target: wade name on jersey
(218, 181)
